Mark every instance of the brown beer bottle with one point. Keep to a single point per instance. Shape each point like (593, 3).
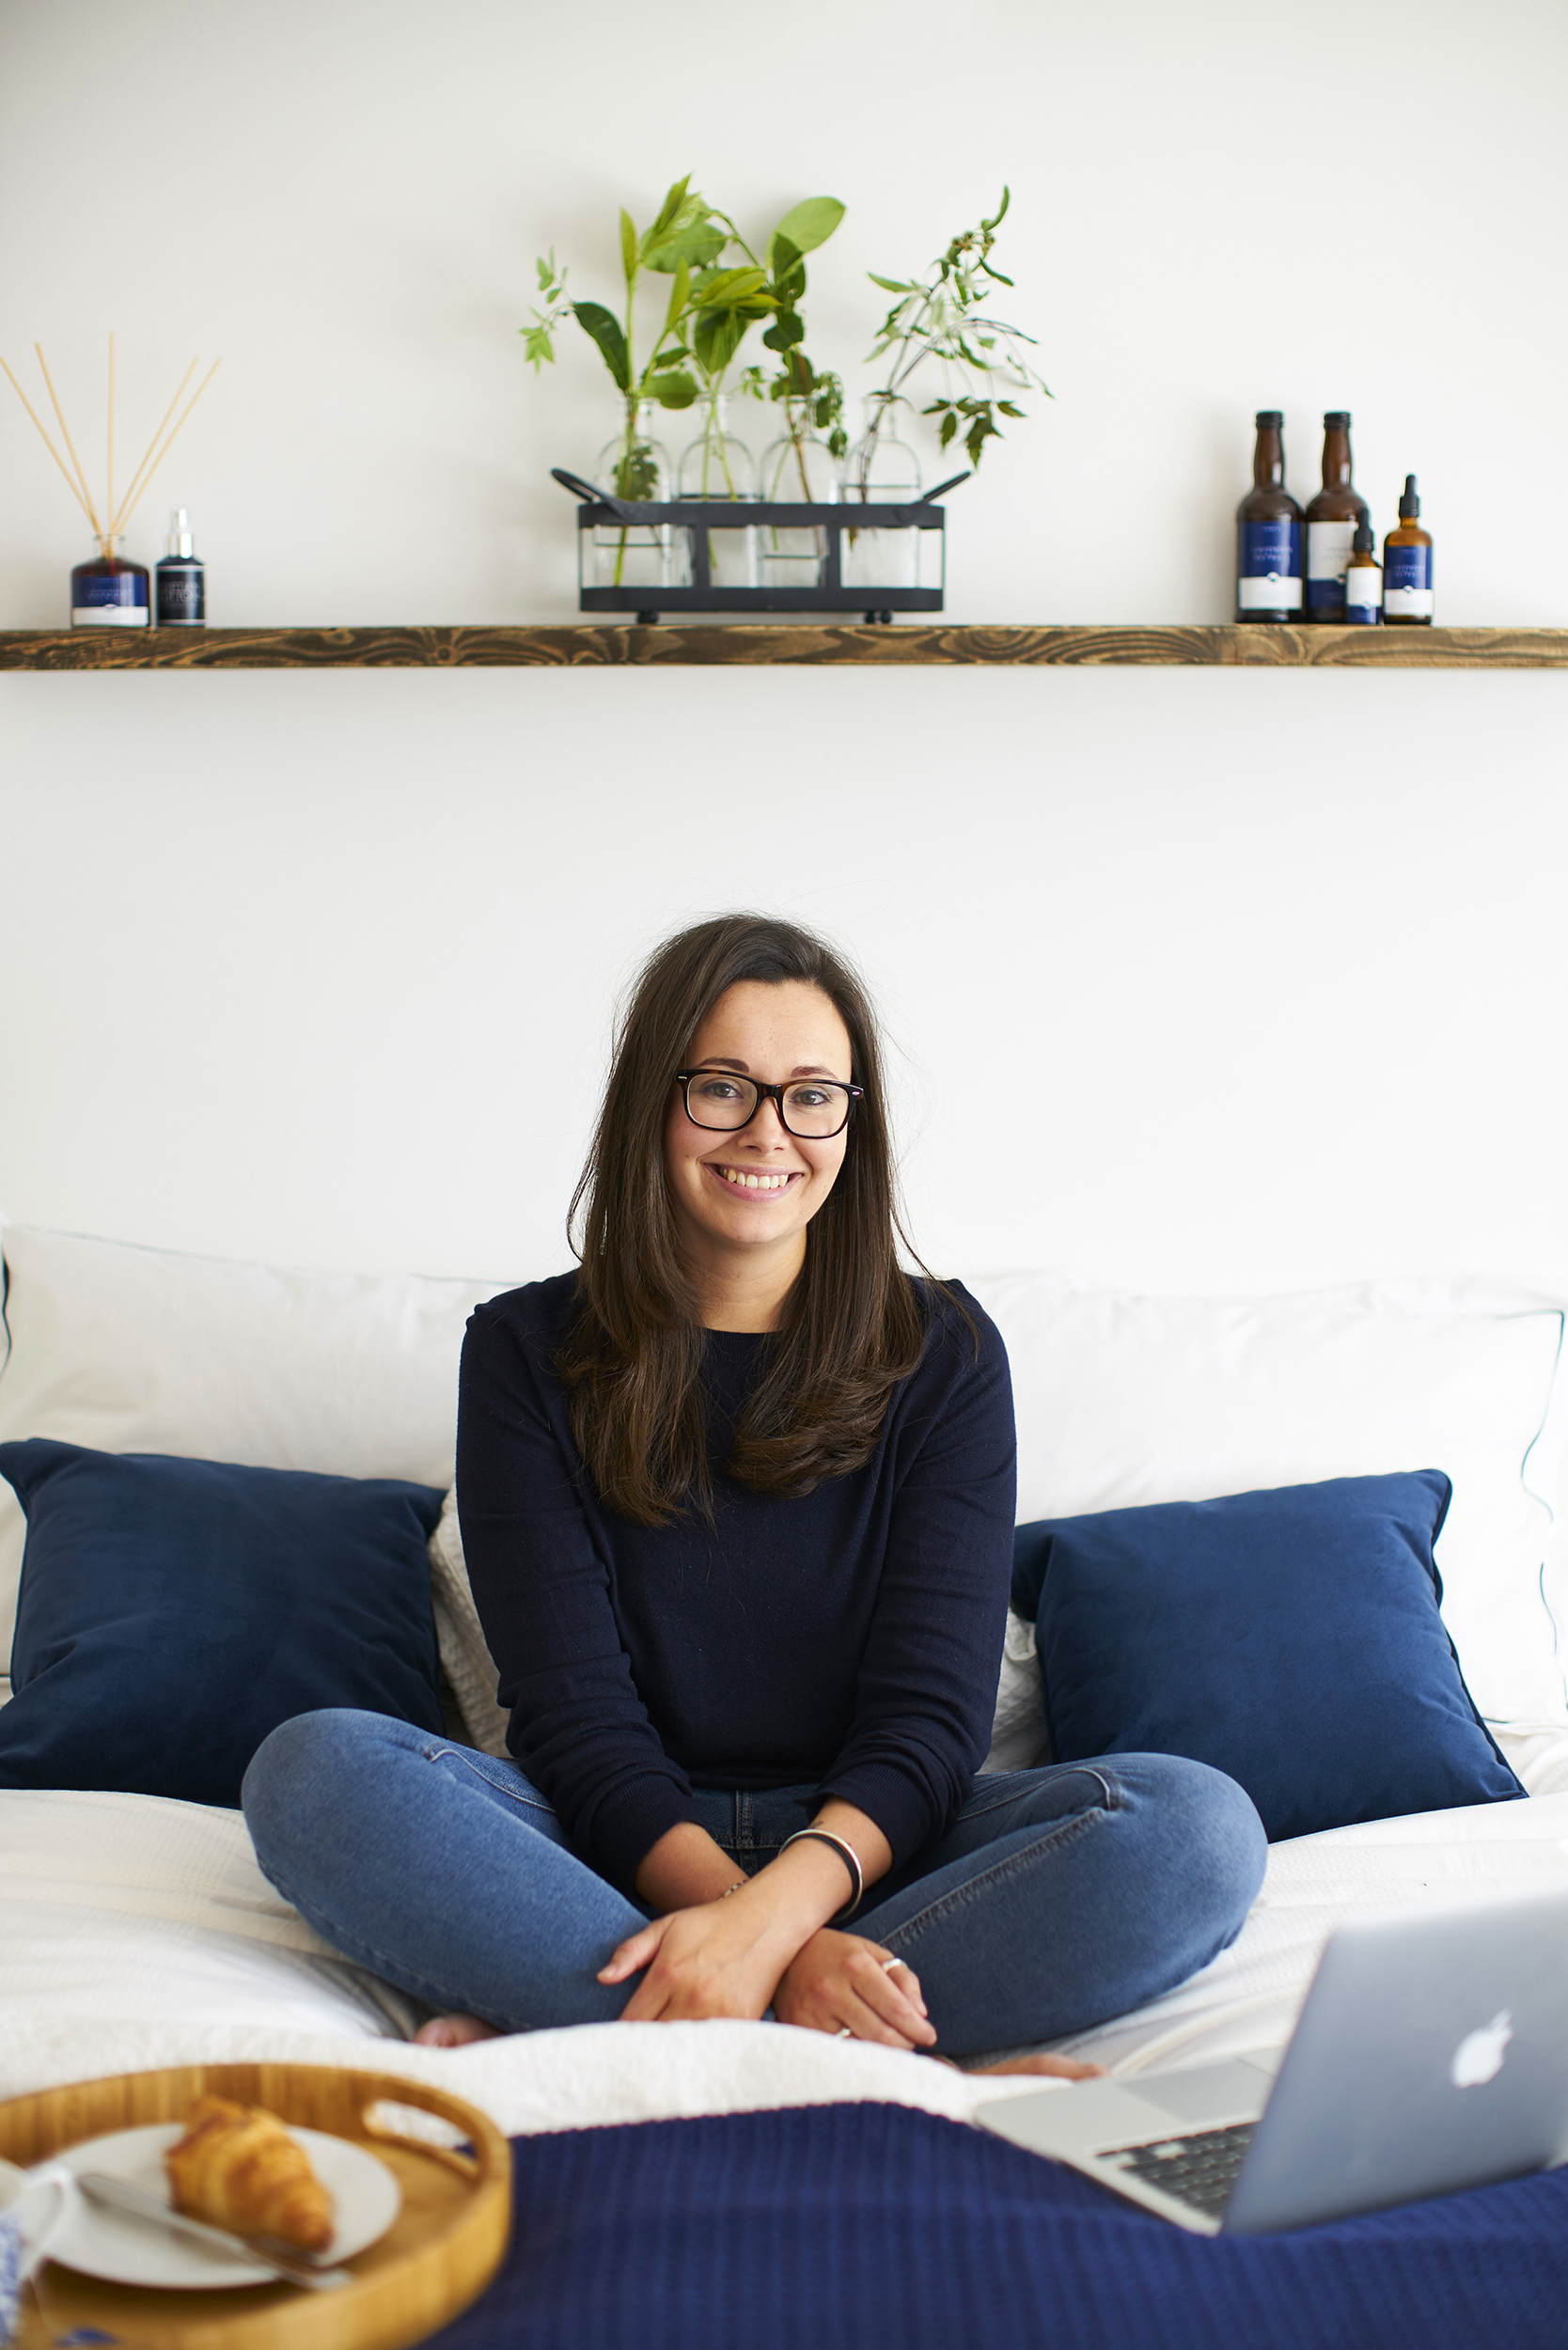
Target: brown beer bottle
(1332, 518)
(1268, 532)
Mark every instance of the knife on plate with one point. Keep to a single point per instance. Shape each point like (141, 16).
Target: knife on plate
(138, 2203)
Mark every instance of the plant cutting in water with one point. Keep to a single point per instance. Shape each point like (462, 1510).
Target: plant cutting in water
(814, 402)
(712, 307)
(710, 311)
(942, 316)
(812, 399)
(721, 288)
(778, 288)
(681, 237)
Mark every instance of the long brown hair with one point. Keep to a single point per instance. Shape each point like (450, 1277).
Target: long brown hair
(852, 1326)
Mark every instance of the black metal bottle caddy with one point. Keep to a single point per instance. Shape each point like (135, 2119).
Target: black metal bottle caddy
(689, 521)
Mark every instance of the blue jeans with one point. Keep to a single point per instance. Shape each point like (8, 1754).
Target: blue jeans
(1058, 1897)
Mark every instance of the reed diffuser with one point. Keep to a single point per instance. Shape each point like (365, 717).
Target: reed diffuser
(108, 591)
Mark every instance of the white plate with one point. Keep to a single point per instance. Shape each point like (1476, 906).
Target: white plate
(100, 2243)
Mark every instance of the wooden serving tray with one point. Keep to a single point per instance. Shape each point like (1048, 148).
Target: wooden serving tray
(443, 2250)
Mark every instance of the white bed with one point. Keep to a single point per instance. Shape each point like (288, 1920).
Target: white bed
(136, 1931)
(140, 1933)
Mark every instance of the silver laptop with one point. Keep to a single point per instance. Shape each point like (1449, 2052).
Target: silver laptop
(1432, 2054)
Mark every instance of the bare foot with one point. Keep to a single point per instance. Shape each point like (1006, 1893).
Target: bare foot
(453, 2031)
(1059, 2068)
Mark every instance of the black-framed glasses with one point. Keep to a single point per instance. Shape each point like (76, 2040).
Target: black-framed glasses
(815, 1108)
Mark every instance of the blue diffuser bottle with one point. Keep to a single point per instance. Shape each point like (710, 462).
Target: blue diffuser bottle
(109, 592)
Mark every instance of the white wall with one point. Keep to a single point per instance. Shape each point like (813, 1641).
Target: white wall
(1200, 979)
(1215, 208)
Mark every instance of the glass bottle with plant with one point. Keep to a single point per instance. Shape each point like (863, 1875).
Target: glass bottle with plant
(639, 554)
(803, 462)
(710, 310)
(717, 464)
(943, 318)
(811, 430)
(882, 470)
(682, 237)
(736, 297)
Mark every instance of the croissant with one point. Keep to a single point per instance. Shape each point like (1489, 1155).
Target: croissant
(238, 2168)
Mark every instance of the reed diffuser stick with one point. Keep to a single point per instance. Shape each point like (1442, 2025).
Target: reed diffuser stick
(50, 445)
(158, 448)
(132, 490)
(86, 494)
(124, 518)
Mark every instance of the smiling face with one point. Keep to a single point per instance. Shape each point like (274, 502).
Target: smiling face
(744, 1199)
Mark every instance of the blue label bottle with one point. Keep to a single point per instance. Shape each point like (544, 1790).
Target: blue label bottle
(1268, 533)
(108, 593)
(1407, 567)
(1332, 518)
(1363, 581)
(181, 580)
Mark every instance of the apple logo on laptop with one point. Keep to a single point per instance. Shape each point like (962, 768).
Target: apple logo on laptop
(1480, 2055)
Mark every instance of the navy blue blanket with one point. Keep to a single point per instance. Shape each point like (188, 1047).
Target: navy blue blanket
(863, 2227)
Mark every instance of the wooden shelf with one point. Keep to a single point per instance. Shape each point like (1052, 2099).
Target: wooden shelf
(675, 644)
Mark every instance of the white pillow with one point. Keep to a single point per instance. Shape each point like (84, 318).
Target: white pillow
(1123, 1399)
(140, 1350)
(1018, 1724)
(470, 1667)
(136, 1908)
(1120, 1399)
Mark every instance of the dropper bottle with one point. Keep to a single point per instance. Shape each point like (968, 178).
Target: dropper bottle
(1407, 567)
(1363, 579)
(181, 579)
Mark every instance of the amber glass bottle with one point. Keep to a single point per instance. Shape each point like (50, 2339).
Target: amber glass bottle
(1407, 567)
(1332, 518)
(1268, 532)
(1364, 581)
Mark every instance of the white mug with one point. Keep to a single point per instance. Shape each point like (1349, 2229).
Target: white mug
(36, 2207)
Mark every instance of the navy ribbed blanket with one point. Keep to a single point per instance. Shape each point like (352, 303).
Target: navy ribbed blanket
(867, 2227)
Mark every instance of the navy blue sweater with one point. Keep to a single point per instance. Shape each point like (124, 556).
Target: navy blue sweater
(848, 1639)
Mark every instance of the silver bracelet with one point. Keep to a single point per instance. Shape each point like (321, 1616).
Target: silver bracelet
(847, 1854)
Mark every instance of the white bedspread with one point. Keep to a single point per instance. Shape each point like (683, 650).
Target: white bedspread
(136, 1933)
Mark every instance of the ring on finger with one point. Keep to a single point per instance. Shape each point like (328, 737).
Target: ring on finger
(843, 2032)
(888, 1964)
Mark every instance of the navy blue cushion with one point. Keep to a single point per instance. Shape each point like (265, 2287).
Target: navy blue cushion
(1290, 1637)
(173, 1612)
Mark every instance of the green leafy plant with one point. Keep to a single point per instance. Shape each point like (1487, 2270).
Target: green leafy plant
(813, 399)
(682, 243)
(720, 288)
(942, 316)
(733, 299)
(713, 303)
(680, 239)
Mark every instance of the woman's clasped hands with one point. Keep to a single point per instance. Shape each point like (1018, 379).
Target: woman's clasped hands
(729, 1957)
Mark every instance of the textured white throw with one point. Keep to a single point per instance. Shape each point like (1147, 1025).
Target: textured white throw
(138, 1934)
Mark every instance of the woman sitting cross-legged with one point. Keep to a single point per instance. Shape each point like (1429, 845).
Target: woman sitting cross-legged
(737, 1503)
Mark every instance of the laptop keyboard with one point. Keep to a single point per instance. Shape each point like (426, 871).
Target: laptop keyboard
(1199, 2170)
